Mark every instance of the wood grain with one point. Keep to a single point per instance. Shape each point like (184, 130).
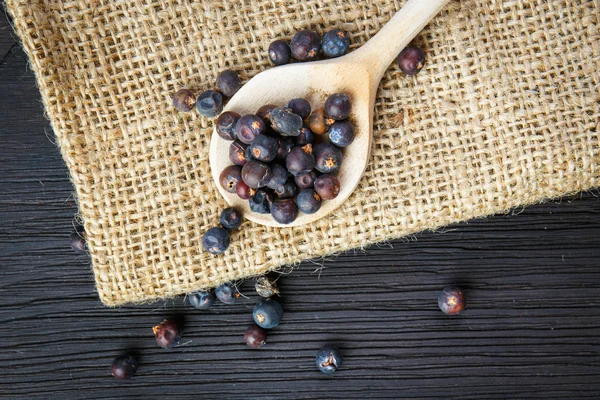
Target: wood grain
(531, 329)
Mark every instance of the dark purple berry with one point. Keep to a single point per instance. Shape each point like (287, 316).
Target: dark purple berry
(249, 127)
(249, 156)
(202, 300)
(411, 60)
(337, 106)
(244, 191)
(227, 293)
(225, 124)
(210, 103)
(305, 181)
(318, 122)
(280, 176)
(168, 333)
(308, 201)
(264, 148)
(265, 112)
(256, 174)
(267, 314)
(305, 45)
(237, 153)
(452, 300)
(328, 158)
(286, 191)
(286, 122)
(300, 107)
(342, 133)
(327, 186)
(228, 83)
(305, 137)
(284, 211)
(124, 367)
(329, 359)
(300, 160)
(261, 202)
(279, 52)
(255, 336)
(78, 242)
(230, 218)
(285, 146)
(229, 178)
(266, 286)
(215, 240)
(184, 100)
(335, 43)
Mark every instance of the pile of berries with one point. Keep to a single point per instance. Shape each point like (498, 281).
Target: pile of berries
(285, 158)
(306, 45)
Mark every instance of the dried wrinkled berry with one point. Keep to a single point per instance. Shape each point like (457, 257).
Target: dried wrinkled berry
(184, 100)
(261, 202)
(327, 186)
(300, 160)
(286, 122)
(202, 300)
(228, 83)
(308, 201)
(225, 124)
(256, 174)
(227, 293)
(255, 336)
(279, 52)
(267, 314)
(452, 300)
(264, 148)
(328, 158)
(305, 181)
(299, 107)
(337, 106)
(78, 242)
(266, 286)
(229, 177)
(318, 122)
(215, 240)
(249, 127)
(342, 133)
(237, 153)
(335, 43)
(329, 359)
(210, 103)
(280, 176)
(285, 146)
(265, 112)
(230, 218)
(305, 45)
(286, 191)
(284, 211)
(168, 333)
(411, 60)
(244, 191)
(124, 367)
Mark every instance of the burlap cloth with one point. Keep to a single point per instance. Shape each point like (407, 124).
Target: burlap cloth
(505, 113)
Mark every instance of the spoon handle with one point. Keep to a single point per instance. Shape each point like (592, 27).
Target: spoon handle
(381, 50)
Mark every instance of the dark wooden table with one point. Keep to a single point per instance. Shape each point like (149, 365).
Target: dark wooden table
(531, 329)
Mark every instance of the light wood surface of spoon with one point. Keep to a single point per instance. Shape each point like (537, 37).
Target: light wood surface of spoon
(356, 74)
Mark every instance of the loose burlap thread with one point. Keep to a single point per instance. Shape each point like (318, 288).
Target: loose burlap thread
(505, 113)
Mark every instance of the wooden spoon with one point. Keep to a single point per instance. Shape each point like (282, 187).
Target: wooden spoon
(356, 74)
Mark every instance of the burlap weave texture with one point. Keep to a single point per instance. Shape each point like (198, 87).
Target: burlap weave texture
(505, 113)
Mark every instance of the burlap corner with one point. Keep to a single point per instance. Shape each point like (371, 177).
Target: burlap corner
(505, 113)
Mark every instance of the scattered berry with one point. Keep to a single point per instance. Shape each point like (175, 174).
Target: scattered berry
(215, 240)
(305, 45)
(280, 176)
(256, 174)
(279, 52)
(305, 137)
(335, 43)
(286, 191)
(266, 286)
(210, 103)
(78, 242)
(228, 83)
(265, 112)
(168, 333)
(227, 293)
(452, 300)
(244, 191)
(300, 160)
(249, 127)
(261, 202)
(264, 148)
(229, 178)
(255, 336)
(327, 186)
(305, 181)
(328, 157)
(411, 60)
(225, 124)
(231, 218)
(202, 300)
(267, 314)
(124, 367)
(285, 146)
(286, 122)
(342, 133)
(329, 359)
(299, 107)
(318, 122)
(337, 106)
(237, 153)
(308, 201)
(184, 100)
(284, 211)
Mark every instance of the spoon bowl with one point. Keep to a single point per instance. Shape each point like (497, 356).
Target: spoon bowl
(356, 74)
